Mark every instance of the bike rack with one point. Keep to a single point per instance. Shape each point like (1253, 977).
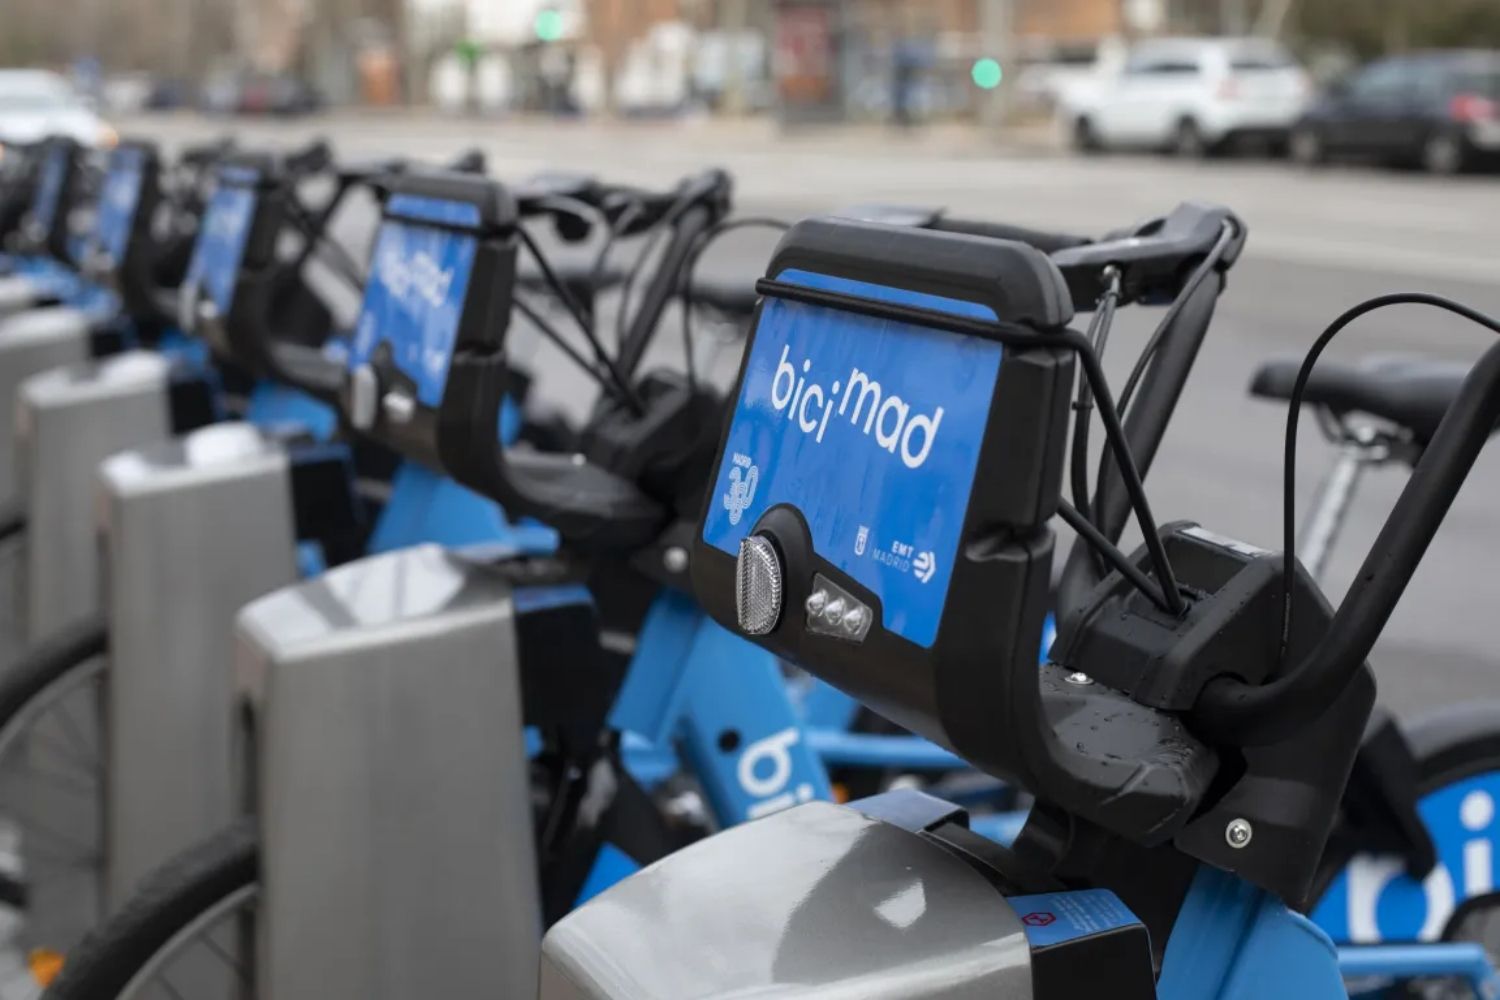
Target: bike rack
(196, 527)
(69, 420)
(386, 749)
(32, 342)
(72, 419)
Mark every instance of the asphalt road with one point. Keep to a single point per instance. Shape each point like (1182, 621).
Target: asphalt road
(1319, 242)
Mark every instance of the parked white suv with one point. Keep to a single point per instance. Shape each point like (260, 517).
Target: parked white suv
(1190, 95)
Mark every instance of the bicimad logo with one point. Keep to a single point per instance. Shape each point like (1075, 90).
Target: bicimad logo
(886, 417)
(417, 275)
(742, 479)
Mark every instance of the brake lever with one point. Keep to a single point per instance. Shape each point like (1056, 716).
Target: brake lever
(1154, 257)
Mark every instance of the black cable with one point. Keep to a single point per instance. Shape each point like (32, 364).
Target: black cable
(627, 394)
(1204, 269)
(1294, 409)
(690, 268)
(613, 233)
(551, 333)
(622, 318)
(1104, 547)
(1083, 404)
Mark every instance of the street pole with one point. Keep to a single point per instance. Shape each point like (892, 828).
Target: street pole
(733, 20)
(997, 40)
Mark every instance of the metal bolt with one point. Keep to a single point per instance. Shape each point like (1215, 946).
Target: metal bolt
(399, 407)
(675, 559)
(1238, 833)
(1080, 678)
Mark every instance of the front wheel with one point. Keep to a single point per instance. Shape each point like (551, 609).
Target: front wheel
(187, 931)
(1188, 142)
(1085, 139)
(1372, 900)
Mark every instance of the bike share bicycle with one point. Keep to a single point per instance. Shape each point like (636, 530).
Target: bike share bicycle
(1184, 793)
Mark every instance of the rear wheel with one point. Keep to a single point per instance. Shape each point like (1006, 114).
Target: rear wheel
(1306, 146)
(188, 931)
(51, 783)
(1444, 153)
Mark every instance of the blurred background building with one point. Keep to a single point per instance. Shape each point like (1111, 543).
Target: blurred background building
(807, 60)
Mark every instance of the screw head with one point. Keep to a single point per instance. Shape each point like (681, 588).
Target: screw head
(1238, 833)
(1080, 678)
(675, 559)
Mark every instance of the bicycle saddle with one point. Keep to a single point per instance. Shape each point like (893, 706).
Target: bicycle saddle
(1413, 393)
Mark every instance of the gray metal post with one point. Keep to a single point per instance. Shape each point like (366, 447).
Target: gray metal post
(70, 420)
(196, 528)
(32, 342)
(396, 841)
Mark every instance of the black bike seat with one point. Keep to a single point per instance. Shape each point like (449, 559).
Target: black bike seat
(1413, 393)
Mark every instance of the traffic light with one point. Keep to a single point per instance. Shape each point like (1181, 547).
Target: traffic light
(549, 24)
(986, 74)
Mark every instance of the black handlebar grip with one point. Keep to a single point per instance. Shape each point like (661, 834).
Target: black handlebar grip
(313, 158)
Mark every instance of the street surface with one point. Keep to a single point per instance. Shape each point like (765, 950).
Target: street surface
(1319, 243)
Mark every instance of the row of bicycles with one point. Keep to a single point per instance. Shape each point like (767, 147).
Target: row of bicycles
(341, 662)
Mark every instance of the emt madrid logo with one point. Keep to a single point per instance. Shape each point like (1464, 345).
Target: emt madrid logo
(859, 399)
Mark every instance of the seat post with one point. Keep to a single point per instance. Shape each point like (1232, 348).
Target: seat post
(1360, 448)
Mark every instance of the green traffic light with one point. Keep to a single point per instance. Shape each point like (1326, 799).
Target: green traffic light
(987, 74)
(549, 25)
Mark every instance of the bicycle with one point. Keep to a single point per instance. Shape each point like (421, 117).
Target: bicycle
(1166, 845)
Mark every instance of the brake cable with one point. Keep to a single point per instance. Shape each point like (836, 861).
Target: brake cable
(1294, 410)
(1083, 404)
(690, 268)
(626, 393)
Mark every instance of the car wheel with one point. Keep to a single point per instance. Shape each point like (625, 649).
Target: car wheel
(1085, 139)
(1188, 142)
(1443, 153)
(1306, 146)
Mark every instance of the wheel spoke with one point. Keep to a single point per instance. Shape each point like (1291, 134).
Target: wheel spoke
(45, 742)
(166, 984)
(69, 725)
(228, 960)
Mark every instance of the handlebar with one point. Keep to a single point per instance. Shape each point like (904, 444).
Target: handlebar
(1047, 243)
(1248, 714)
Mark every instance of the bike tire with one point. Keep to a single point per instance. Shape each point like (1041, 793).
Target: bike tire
(47, 662)
(168, 902)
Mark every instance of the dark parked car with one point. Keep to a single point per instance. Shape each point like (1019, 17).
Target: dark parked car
(1438, 110)
(259, 94)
